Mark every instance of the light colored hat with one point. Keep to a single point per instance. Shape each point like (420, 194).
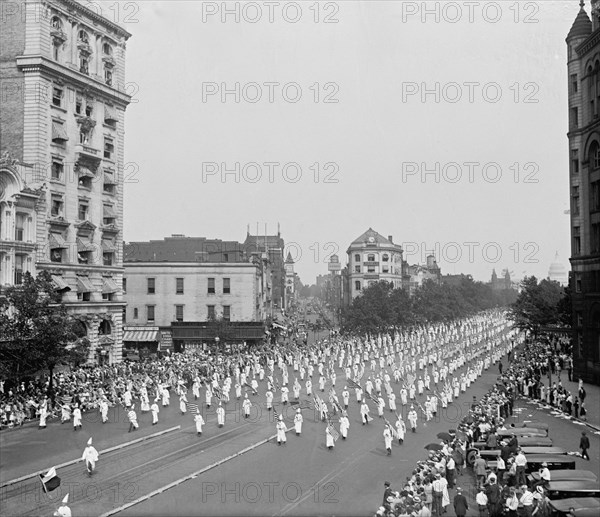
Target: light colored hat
(540, 489)
(65, 499)
(89, 442)
(298, 410)
(544, 464)
(280, 417)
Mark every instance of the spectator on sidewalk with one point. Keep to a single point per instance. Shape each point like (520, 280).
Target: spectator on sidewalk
(482, 502)
(460, 503)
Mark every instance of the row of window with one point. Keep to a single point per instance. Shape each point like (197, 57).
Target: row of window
(12, 272)
(85, 177)
(179, 286)
(57, 209)
(594, 198)
(85, 50)
(594, 239)
(594, 156)
(371, 257)
(372, 269)
(178, 316)
(592, 78)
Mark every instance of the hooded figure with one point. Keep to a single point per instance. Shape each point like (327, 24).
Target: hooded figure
(199, 421)
(298, 422)
(90, 456)
(63, 510)
(281, 429)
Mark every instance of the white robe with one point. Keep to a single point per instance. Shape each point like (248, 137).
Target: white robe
(330, 442)
(220, 415)
(154, 408)
(76, 417)
(199, 422)
(387, 437)
(281, 429)
(298, 423)
(344, 426)
(90, 455)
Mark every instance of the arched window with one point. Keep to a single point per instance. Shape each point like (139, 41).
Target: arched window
(594, 155)
(105, 328)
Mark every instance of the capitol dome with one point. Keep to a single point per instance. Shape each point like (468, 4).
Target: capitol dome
(558, 272)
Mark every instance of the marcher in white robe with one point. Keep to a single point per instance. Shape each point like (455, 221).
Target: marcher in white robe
(329, 441)
(76, 418)
(380, 406)
(298, 422)
(344, 425)
(183, 404)
(196, 389)
(412, 418)
(154, 408)
(246, 405)
(208, 395)
(364, 412)
(346, 397)
(166, 397)
(284, 394)
(127, 398)
(44, 416)
(359, 394)
(392, 401)
(199, 421)
(133, 423)
(90, 456)
(308, 387)
(400, 430)
(296, 389)
(281, 429)
(387, 438)
(103, 404)
(63, 510)
(404, 396)
(220, 415)
(65, 413)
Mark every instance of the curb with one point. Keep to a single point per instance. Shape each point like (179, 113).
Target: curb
(72, 462)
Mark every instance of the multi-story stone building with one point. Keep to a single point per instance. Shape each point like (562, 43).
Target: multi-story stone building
(63, 83)
(372, 258)
(583, 63)
(178, 286)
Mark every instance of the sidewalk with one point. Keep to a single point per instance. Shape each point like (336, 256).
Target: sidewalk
(592, 398)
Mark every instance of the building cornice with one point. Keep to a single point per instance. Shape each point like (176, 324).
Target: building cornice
(92, 15)
(79, 268)
(588, 44)
(205, 265)
(56, 71)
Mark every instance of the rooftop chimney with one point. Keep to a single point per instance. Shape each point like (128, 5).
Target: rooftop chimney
(390, 239)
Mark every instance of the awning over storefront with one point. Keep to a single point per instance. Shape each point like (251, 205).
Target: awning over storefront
(85, 172)
(108, 246)
(60, 283)
(110, 113)
(140, 335)
(84, 245)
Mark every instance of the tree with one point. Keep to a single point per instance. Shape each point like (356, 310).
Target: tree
(37, 332)
(539, 304)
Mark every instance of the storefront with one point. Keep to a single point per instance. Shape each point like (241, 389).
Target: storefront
(204, 336)
(140, 342)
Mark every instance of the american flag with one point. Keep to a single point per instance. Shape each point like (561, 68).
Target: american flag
(333, 431)
(192, 407)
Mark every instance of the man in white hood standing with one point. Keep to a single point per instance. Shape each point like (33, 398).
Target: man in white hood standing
(90, 456)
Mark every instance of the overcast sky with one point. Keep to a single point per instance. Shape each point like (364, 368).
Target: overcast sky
(495, 124)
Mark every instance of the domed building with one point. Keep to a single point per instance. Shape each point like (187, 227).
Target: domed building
(558, 272)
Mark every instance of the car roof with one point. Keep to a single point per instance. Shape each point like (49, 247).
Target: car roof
(586, 485)
(564, 475)
(579, 503)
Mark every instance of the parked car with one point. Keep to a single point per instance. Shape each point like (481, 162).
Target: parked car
(572, 489)
(565, 475)
(581, 507)
(554, 461)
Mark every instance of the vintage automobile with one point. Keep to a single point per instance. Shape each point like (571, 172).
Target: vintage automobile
(536, 425)
(554, 461)
(543, 450)
(565, 475)
(521, 431)
(582, 507)
(572, 489)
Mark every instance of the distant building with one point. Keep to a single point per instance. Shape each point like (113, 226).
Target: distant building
(583, 65)
(273, 246)
(372, 258)
(291, 284)
(455, 280)
(502, 283)
(558, 272)
(205, 280)
(417, 274)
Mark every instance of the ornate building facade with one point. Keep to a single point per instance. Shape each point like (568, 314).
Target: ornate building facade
(63, 76)
(583, 63)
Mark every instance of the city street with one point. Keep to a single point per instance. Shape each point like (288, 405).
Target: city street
(299, 478)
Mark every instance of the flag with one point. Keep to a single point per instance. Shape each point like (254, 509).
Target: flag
(253, 390)
(333, 431)
(191, 407)
(275, 413)
(50, 481)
